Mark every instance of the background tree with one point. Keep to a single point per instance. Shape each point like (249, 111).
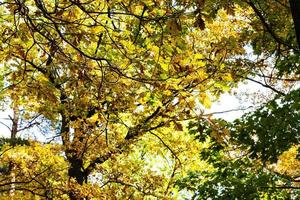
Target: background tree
(248, 154)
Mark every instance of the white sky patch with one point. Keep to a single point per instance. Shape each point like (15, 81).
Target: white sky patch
(4, 119)
(241, 100)
(42, 132)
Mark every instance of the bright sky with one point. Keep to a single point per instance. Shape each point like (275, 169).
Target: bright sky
(4, 132)
(241, 100)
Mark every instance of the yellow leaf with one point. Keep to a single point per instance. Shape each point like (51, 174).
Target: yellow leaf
(198, 56)
(227, 77)
(205, 100)
(93, 118)
(164, 66)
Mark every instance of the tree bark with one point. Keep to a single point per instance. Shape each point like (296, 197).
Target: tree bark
(295, 9)
(75, 170)
(15, 122)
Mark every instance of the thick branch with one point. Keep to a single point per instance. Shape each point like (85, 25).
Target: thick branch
(131, 135)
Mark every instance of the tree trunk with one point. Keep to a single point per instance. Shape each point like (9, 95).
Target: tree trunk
(76, 172)
(13, 135)
(295, 9)
(15, 122)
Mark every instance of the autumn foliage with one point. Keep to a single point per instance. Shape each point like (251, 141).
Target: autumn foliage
(112, 95)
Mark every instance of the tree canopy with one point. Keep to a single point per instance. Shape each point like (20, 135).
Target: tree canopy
(118, 90)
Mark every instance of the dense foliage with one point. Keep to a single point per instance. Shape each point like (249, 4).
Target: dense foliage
(116, 92)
